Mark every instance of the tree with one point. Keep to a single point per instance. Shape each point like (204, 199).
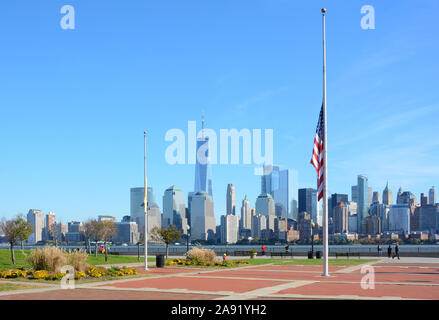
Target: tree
(107, 230)
(166, 236)
(11, 229)
(94, 228)
(88, 233)
(25, 229)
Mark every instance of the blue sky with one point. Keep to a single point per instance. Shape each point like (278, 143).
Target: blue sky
(74, 103)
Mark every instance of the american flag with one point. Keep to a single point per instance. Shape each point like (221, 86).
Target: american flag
(317, 154)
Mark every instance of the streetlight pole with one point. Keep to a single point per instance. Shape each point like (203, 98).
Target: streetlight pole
(145, 206)
(187, 238)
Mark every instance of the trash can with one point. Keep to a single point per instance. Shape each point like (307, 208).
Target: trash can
(318, 254)
(160, 260)
(310, 255)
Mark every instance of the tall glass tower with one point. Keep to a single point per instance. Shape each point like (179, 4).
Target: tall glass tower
(363, 201)
(203, 172)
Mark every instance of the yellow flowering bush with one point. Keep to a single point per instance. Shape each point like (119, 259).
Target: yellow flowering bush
(55, 276)
(13, 274)
(40, 274)
(94, 272)
(79, 275)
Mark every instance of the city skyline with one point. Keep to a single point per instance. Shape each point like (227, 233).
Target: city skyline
(75, 103)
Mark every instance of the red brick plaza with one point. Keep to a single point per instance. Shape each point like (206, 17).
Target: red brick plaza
(392, 280)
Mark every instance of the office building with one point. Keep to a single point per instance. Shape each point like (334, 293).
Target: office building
(432, 196)
(174, 209)
(387, 195)
(363, 201)
(230, 197)
(203, 226)
(36, 219)
(399, 218)
(229, 228)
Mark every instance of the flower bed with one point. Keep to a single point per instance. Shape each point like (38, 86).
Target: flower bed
(92, 272)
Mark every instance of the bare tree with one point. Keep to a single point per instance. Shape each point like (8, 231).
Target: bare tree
(108, 230)
(88, 233)
(11, 229)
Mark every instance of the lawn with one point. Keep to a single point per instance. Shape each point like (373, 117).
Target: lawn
(4, 286)
(6, 262)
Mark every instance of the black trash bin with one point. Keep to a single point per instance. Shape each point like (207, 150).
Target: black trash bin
(310, 255)
(318, 254)
(160, 260)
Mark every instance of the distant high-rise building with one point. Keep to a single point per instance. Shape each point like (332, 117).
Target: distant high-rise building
(308, 203)
(424, 200)
(127, 232)
(398, 201)
(48, 225)
(335, 199)
(229, 228)
(36, 219)
(246, 214)
(231, 203)
(432, 196)
(265, 205)
(406, 197)
(429, 218)
(203, 171)
(372, 225)
(399, 218)
(304, 225)
(341, 218)
(370, 196)
(387, 196)
(376, 198)
(363, 201)
(354, 194)
(259, 223)
(137, 211)
(203, 226)
(174, 209)
(282, 186)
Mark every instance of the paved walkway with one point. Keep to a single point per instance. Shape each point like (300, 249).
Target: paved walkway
(408, 278)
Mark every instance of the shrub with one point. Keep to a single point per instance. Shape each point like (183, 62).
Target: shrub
(55, 276)
(201, 255)
(78, 260)
(96, 272)
(79, 275)
(10, 274)
(49, 258)
(40, 274)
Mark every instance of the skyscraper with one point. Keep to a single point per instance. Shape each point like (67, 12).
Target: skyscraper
(376, 198)
(387, 196)
(308, 203)
(174, 209)
(399, 218)
(363, 200)
(203, 174)
(335, 199)
(341, 218)
(246, 214)
(36, 219)
(203, 224)
(282, 186)
(231, 204)
(354, 194)
(432, 196)
(229, 228)
(137, 212)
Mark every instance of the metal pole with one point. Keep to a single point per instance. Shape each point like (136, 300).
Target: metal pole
(325, 160)
(145, 205)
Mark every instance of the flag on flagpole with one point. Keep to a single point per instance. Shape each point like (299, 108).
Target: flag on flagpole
(317, 159)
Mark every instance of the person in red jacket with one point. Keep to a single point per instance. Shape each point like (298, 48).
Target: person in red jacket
(263, 250)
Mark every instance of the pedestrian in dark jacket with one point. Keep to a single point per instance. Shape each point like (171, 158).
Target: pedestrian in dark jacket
(389, 251)
(396, 251)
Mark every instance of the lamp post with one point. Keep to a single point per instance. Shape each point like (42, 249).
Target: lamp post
(187, 238)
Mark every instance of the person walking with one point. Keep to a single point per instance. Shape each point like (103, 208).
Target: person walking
(389, 251)
(396, 251)
(379, 250)
(263, 250)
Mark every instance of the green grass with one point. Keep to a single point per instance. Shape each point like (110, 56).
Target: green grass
(6, 262)
(4, 286)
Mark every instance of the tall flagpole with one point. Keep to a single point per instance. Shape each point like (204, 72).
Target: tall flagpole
(145, 205)
(325, 161)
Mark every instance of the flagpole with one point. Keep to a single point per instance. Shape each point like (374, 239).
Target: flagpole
(325, 161)
(145, 205)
